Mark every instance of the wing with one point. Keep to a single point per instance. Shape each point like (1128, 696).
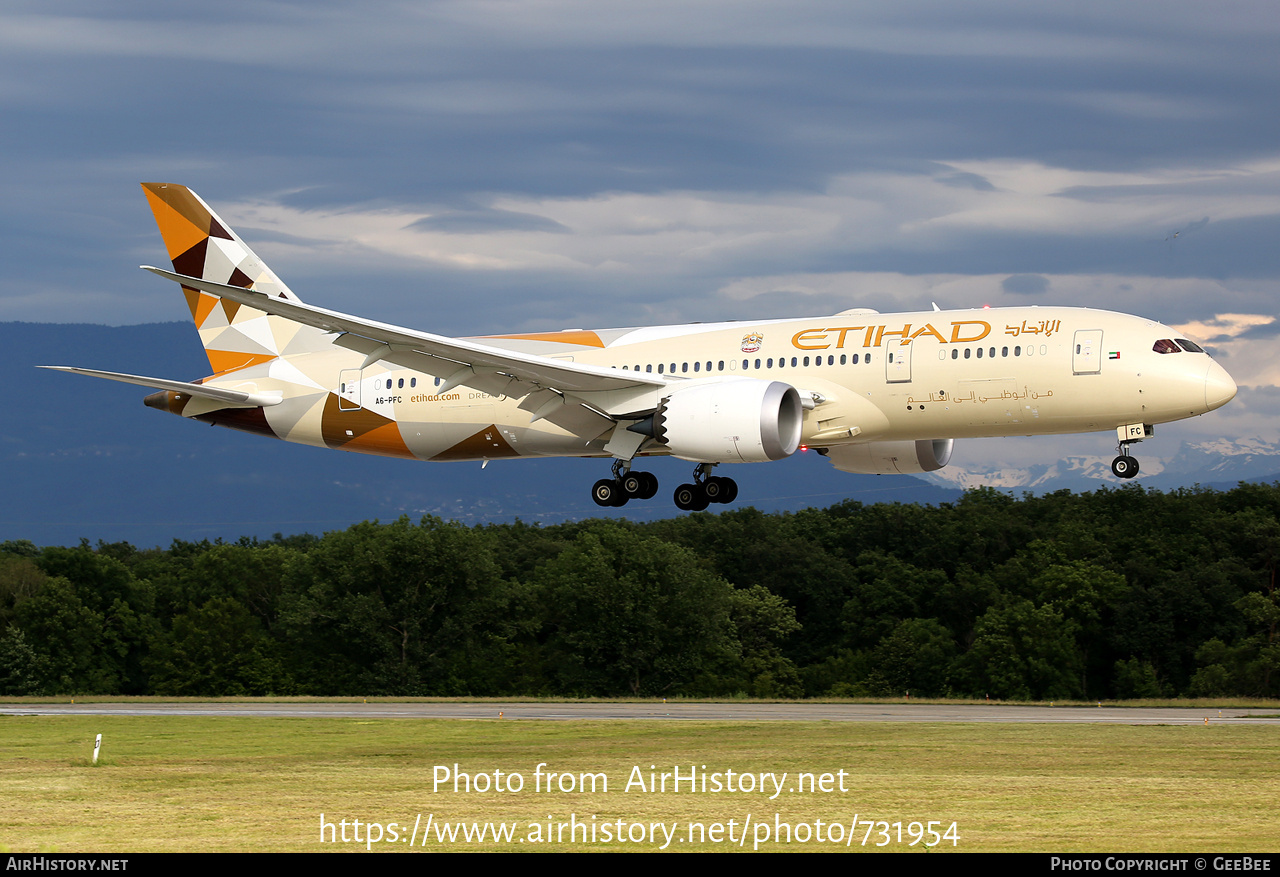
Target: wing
(586, 399)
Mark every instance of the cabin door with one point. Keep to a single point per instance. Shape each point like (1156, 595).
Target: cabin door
(897, 362)
(349, 389)
(1086, 356)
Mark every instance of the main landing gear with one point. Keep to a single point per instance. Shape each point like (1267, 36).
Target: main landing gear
(624, 485)
(627, 485)
(705, 490)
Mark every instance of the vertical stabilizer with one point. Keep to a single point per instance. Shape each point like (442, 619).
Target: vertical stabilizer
(202, 245)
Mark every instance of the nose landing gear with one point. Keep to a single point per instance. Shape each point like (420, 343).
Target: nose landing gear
(1125, 466)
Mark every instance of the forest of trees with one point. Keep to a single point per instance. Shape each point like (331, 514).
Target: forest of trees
(1115, 594)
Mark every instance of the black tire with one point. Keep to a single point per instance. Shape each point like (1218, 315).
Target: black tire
(633, 484)
(650, 485)
(690, 497)
(608, 493)
(1124, 467)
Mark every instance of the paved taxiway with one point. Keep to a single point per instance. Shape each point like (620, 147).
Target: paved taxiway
(676, 711)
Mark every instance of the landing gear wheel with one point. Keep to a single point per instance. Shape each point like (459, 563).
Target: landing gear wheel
(722, 490)
(650, 486)
(639, 485)
(1124, 466)
(608, 493)
(691, 497)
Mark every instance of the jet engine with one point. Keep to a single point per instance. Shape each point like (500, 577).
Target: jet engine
(891, 458)
(735, 420)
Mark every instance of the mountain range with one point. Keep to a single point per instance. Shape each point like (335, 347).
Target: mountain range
(1220, 463)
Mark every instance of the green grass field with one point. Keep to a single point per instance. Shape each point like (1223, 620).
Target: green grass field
(249, 784)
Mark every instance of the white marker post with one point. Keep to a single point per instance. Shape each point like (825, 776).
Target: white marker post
(96, 746)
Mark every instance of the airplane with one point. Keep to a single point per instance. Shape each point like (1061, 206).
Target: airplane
(874, 393)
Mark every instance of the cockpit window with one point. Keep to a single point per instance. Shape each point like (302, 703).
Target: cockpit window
(1190, 346)
(1165, 345)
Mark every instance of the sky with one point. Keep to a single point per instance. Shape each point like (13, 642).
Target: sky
(493, 166)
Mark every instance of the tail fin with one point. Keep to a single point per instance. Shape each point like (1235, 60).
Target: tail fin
(201, 245)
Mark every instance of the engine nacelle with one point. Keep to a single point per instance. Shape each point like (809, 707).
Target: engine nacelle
(735, 420)
(891, 458)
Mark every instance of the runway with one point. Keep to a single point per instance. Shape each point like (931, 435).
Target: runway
(674, 711)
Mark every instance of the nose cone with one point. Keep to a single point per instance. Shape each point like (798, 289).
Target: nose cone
(1219, 389)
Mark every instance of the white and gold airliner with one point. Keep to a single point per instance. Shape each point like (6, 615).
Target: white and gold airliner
(875, 393)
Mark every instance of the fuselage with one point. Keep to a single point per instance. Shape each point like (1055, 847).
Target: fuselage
(867, 377)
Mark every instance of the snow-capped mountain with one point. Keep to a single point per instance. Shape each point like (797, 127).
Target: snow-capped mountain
(1219, 461)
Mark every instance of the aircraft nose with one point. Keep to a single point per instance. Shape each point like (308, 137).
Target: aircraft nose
(1219, 389)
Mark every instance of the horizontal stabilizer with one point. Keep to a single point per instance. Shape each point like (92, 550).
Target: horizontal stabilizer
(236, 398)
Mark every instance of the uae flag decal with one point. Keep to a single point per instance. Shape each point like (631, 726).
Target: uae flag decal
(1115, 354)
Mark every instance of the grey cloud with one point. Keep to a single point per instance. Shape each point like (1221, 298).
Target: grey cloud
(1025, 284)
(964, 180)
(1261, 331)
(486, 219)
